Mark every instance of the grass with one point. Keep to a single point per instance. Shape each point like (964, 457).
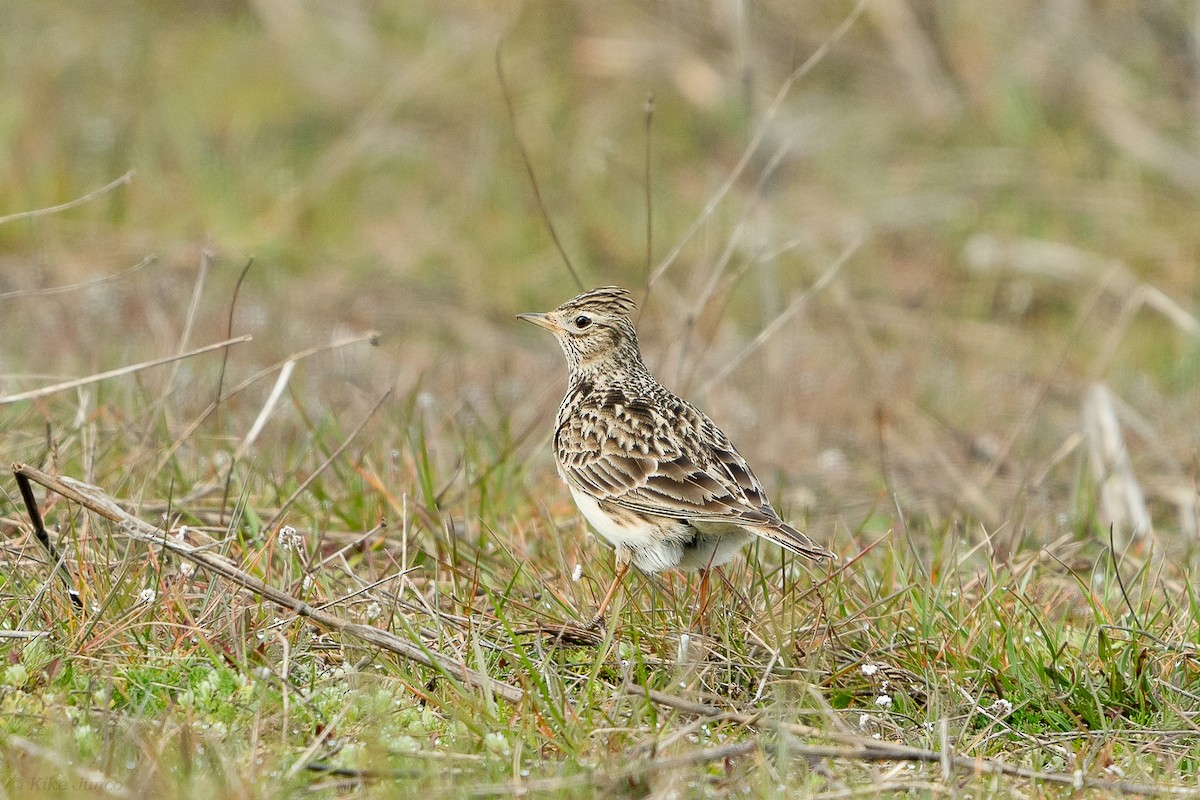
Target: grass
(1025, 217)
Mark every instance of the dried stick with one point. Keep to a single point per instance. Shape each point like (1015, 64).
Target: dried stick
(97, 501)
(116, 373)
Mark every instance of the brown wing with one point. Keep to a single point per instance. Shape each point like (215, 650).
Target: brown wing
(632, 455)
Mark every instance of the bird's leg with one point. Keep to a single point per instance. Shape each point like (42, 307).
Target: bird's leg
(703, 599)
(623, 559)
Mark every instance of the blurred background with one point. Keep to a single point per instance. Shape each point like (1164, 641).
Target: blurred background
(952, 269)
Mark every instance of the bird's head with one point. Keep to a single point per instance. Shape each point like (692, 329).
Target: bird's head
(594, 330)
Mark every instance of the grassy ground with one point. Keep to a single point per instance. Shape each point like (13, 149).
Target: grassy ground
(944, 305)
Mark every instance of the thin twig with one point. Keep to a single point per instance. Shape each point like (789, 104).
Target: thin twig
(78, 201)
(116, 373)
(793, 307)
(649, 108)
(355, 543)
(268, 408)
(326, 768)
(74, 287)
(759, 135)
(189, 320)
(97, 501)
(537, 192)
(371, 337)
(229, 332)
(39, 529)
(303, 487)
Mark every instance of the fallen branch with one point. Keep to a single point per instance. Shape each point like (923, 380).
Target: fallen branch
(99, 502)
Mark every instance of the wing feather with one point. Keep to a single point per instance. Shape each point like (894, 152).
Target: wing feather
(690, 471)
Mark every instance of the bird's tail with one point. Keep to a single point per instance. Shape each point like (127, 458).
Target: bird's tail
(793, 540)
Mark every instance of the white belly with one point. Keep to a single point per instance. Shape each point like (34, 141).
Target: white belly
(661, 543)
(619, 533)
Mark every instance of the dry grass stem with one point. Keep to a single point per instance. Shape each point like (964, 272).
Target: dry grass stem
(41, 212)
(46, 391)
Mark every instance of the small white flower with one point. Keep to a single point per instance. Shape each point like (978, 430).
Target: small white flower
(307, 583)
(187, 569)
(883, 701)
(863, 721)
(1001, 708)
(289, 538)
(146, 597)
(373, 611)
(577, 573)
(869, 669)
(180, 533)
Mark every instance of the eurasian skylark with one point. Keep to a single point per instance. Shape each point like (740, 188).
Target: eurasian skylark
(650, 472)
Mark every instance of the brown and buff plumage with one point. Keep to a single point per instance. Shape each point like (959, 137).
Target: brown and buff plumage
(651, 472)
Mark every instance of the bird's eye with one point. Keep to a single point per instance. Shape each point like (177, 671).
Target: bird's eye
(582, 321)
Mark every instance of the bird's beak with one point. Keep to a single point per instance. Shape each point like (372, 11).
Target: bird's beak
(541, 320)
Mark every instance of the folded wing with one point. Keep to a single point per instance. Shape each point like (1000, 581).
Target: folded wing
(693, 473)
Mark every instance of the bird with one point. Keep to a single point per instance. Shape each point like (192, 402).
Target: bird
(650, 472)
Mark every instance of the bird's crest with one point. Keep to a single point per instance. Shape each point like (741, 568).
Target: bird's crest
(610, 300)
